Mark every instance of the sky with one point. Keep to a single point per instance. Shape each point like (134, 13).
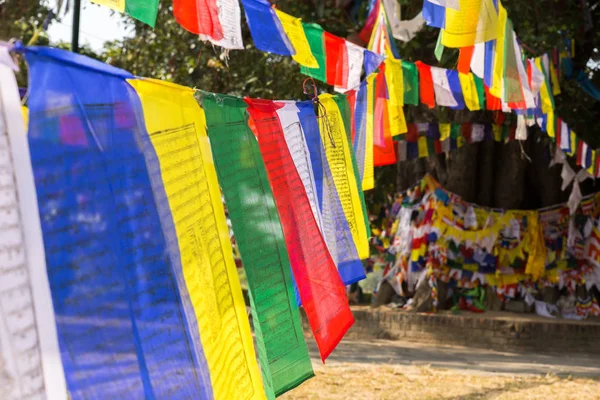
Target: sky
(97, 26)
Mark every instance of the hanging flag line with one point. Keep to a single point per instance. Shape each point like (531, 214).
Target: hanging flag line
(125, 177)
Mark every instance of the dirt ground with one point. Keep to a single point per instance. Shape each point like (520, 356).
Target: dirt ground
(398, 370)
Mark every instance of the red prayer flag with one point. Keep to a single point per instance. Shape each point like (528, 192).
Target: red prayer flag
(337, 60)
(321, 289)
(464, 59)
(426, 91)
(383, 143)
(367, 30)
(491, 101)
(199, 16)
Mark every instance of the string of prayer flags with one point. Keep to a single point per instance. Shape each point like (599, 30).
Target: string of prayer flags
(314, 35)
(266, 30)
(121, 304)
(142, 10)
(292, 27)
(176, 128)
(321, 289)
(282, 351)
(31, 365)
(335, 226)
(338, 153)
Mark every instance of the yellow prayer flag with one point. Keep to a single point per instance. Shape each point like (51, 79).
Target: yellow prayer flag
(497, 130)
(475, 21)
(337, 151)
(499, 64)
(368, 182)
(292, 27)
(444, 131)
(117, 5)
(467, 83)
(547, 103)
(395, 83)
(573, 146)
(422, 147)
(554, 78)
(176, 127)
(550, 125)
(395, 80)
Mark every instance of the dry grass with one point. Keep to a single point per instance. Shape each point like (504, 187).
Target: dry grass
(362, 381)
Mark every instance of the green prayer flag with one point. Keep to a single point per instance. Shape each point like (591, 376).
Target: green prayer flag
(439, 47)
(314, 34)
(480, 91)
(143, 10)
(411, 83)
(282, 351)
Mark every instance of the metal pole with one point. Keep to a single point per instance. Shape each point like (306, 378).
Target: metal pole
(75, 32)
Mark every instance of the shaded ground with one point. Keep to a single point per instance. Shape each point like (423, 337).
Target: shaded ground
(400, 370)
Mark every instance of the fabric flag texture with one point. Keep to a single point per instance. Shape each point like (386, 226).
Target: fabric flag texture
(426, 89)
(474, 21)
(339, 157)
(30, 362)
(410, 78)
(288, 114)
(265, 28)
(322, 291)
(469, 91)
(363, 145)
(119, 296)
(335, 226)
(142, 10)
(434, 14)
(343, 106)
(337, 60)
(316, 41)
(176, 128)
(441, 87)
(230, 19)
(292, 27)
(282, 350)
(356, 55)
(200, 17)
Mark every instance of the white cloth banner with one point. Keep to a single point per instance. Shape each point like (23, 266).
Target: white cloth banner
(441, 86)
(30, 363)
